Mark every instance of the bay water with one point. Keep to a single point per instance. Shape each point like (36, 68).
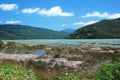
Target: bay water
(64, 42)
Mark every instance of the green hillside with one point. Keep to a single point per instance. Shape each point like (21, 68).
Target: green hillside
(8, 31)
(100, 30)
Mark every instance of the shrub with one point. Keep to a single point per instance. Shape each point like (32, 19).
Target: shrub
(109, 71)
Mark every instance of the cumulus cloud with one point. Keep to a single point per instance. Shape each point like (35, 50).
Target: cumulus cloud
(102, 15)
(30, 10)
(113, 16)
(54, 11)
(13, 22)
(8, 7)
(84, 23)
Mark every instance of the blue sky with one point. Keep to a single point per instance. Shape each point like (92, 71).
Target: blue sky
(57, 14)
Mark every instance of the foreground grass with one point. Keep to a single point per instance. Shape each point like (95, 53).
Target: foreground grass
(107, 71)
(10, 72)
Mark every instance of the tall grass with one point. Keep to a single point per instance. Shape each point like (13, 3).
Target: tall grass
(109, 71)
(10, 72)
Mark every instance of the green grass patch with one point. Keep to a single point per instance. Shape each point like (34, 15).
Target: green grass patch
(109, 71)
(10, 72)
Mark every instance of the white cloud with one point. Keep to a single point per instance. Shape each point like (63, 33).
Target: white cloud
(64, 25)
(113, 16)
(13, 22)
(30, 10)
(84, 23)
(8, 7)
(54, 11)
(102, 15)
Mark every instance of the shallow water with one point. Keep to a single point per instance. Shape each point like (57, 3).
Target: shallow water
(64, 42)
(39, 52)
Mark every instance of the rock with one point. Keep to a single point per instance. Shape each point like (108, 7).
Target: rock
(64, 62)
(109, 51)
(46, 60)
(19, 45)
(66, 74)
(17, 57)
(96, 48)
(73, 64)
(74, 57)
(48, 49)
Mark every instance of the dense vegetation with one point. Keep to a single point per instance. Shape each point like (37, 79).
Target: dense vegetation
(107, 71)
(101, 30)
(10, 72)
(28, 32)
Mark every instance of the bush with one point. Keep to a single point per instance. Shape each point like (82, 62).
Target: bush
(109, 71)
(9, 72)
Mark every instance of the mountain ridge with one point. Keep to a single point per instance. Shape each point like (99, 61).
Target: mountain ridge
(15, 31)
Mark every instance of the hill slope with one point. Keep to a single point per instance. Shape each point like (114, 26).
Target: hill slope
(28, 32)
(100, 30)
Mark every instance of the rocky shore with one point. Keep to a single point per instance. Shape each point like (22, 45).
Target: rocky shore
(17, 57)
(84, 58)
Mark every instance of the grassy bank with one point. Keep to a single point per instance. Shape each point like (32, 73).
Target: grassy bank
(12, 72)
(107, 71)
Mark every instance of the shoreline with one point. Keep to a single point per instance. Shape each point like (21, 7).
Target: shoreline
(68, 42)
(85, 58)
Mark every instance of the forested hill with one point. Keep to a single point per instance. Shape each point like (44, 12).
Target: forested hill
(8, 31)
(100, 30)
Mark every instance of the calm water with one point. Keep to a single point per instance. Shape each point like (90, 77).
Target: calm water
(98, 42)
(39, 52)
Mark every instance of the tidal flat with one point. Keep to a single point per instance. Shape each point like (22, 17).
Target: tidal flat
(53, 61)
